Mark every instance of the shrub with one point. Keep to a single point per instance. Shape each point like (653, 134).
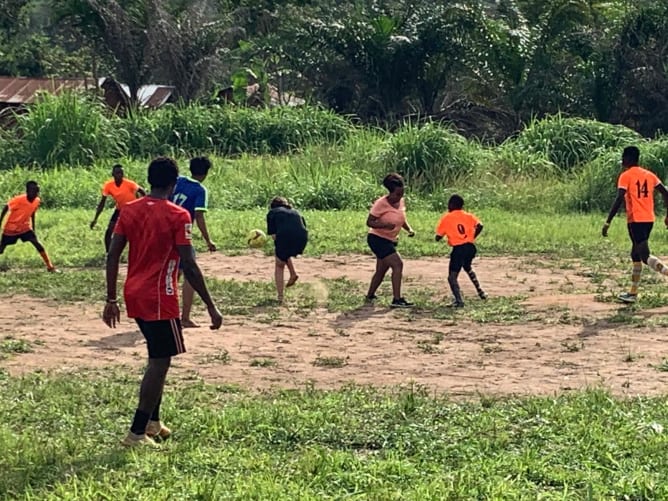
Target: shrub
(430, 156)
(69, 129)
(568, 142)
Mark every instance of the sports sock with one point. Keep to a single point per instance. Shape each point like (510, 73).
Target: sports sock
(139, 423)
(656, 264)
(635, 277)
(45, 258)
(474, 280)
(155, 416)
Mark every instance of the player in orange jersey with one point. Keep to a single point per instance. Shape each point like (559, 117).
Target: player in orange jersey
(635, 188)
(122, 190)
(21, 222)
(461, 229)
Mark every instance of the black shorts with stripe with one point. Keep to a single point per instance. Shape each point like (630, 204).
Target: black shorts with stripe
(164, 338)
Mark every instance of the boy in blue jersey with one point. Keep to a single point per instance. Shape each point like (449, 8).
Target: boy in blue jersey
(192, 196)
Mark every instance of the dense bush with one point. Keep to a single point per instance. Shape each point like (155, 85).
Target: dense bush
(568, 142)
(68, 129)
(431, 156)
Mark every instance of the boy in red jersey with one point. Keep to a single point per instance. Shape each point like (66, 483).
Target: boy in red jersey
(461, 228)
(159, 235)
(21, 222)
(635, 188)
(123, 191)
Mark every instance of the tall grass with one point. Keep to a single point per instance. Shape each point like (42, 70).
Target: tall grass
(69, 129)
(568, 142)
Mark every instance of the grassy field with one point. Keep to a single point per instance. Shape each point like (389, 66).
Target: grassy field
(58, 436)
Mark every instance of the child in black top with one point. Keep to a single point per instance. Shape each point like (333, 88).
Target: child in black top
(288, 229)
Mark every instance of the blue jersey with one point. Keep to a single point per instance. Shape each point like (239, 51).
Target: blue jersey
(191, 195)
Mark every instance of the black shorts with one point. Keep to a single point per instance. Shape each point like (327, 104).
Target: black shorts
(461, 257)
(287, 246)
(164, 338)
(112, 221)
(381, 247)
(639, 232)
(12, 239)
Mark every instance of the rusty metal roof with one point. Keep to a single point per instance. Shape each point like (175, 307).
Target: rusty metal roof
(21, 90)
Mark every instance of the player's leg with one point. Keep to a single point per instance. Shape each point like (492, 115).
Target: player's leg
(6, 241)
(396, 264)
(293, 274)
(279, 278)
(455, 266)
(186, 307)
(164, 339)
(467, 265)
(377, 278)
(110, 229)
(643, 250)
(32, 238)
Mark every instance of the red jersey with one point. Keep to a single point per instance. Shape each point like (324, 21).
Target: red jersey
(153, 228)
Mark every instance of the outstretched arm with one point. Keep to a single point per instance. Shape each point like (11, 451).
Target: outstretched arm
(621, 192)
(193, 275)
(201, 224)
(408, 228)
(662, 189)
(98, 211)
(112, 313)
(478, 230)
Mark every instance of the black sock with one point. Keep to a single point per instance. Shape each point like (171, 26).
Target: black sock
(139, 423)
(155, 416)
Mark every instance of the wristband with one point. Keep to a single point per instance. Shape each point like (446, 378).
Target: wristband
(112, 301)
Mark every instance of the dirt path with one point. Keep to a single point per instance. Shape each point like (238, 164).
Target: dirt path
(570, 341)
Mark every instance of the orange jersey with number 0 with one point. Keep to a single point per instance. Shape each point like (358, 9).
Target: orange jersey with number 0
(20, 215)
(639, 184)
(458, 226)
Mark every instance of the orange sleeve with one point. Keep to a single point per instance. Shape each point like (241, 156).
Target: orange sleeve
(13, 203)
(106, 189)
(441, 227)
(623, 182)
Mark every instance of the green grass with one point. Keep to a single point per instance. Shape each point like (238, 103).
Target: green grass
(356, 442)
(70, 243)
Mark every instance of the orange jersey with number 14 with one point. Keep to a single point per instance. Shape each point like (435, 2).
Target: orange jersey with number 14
(458, 226)
(639, 184)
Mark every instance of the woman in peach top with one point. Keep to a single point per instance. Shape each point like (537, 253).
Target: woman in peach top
(386, 219)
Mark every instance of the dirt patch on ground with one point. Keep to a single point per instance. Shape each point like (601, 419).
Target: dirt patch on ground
(568, 340)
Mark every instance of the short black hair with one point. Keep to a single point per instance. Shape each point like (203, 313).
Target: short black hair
(456, 202)
(393, 181)
(116, 166)
(199, 166)
(631, 154)
(162, 172)
(32, 183)
(279, 202)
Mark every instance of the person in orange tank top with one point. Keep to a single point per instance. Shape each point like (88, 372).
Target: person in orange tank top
(123, 191)
(21, 222)
(635, 188)
(387, 217)
(461, 228)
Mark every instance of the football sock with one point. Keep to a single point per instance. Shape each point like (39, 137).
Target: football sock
(656, 264)
(474, 280)
(155, 416)
(45, 258)
(139, 423)
(635, 277)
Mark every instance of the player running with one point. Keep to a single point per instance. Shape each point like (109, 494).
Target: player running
(636, 187)
(122, 190)
(461, 228)
(192, 196)
(21, 222)
(159, 235)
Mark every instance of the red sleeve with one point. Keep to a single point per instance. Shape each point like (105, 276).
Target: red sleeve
(183, 228)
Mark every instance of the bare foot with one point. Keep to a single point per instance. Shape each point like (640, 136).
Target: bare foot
(292, 281)
(188, 324)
